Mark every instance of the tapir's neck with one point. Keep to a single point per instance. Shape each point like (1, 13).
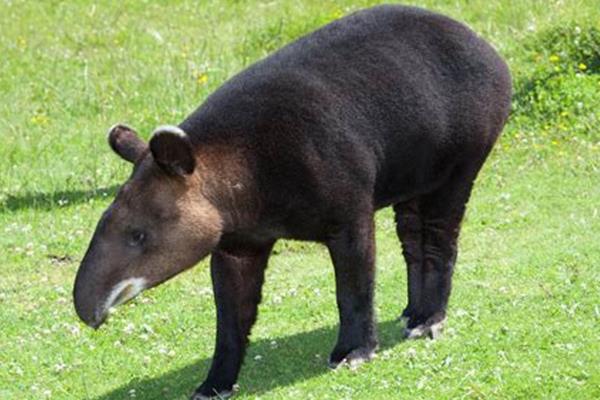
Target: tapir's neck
(227, 181)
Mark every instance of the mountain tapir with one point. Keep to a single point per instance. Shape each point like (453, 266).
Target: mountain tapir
(390, 106)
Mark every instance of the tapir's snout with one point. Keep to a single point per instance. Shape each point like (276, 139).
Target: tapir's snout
(86, 298)
(93, 298)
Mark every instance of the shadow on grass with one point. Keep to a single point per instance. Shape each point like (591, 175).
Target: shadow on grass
(48, 201)
(283, 361)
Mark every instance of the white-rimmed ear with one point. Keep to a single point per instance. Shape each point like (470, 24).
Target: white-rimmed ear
(172, 150)
(125, 142)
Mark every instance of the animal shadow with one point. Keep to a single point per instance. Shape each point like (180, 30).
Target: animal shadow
(48, 201)
(270, 363)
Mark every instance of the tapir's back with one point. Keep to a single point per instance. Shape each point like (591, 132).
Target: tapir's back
(390, 97)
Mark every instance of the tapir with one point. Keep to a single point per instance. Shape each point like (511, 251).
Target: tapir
(390, 106)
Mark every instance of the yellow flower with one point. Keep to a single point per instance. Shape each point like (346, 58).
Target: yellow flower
(39, 119)
(21, 42)
(582, 66)
(554, 58)
(202, 78)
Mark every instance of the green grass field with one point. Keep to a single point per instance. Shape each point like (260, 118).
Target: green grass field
(524, 319)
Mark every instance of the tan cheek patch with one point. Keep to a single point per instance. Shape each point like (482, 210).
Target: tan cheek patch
(204, 219)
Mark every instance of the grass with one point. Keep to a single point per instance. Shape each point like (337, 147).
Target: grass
(525, 312)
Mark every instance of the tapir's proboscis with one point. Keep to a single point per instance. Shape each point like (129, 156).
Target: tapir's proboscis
(390, 106)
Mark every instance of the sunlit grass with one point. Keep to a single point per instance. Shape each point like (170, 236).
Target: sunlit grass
(525, 311)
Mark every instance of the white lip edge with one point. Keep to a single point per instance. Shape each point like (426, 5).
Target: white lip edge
(138, 284)
(170, 129)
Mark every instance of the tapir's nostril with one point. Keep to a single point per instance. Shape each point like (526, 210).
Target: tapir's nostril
(98, 320)
(85, 306)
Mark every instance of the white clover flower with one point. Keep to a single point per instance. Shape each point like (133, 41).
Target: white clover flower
(60, 367)
(129, 328)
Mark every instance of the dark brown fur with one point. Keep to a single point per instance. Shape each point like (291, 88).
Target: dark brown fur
(390, 106)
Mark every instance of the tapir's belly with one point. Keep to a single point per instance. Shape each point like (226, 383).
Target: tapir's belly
(411, 171)
(404, 187)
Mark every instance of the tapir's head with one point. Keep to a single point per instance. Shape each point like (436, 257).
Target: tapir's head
(159, 224)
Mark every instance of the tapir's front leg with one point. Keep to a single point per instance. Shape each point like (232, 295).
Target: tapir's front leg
(353, 253)
(237, 277)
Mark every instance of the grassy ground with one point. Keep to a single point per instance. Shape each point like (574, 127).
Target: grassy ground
(524, 316)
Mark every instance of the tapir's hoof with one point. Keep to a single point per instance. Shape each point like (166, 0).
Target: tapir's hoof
(224, 394)
(432, 330)
(353, 359)
(217, 396)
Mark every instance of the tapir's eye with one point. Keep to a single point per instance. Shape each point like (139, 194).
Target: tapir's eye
(136, 238)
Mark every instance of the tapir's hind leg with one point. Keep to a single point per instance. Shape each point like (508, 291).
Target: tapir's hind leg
(428, 228)
(409, 227)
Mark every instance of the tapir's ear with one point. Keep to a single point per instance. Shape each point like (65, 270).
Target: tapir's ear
(172, 150)
(125, 142)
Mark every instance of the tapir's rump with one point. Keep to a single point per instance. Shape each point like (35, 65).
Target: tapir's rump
(390, 106)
